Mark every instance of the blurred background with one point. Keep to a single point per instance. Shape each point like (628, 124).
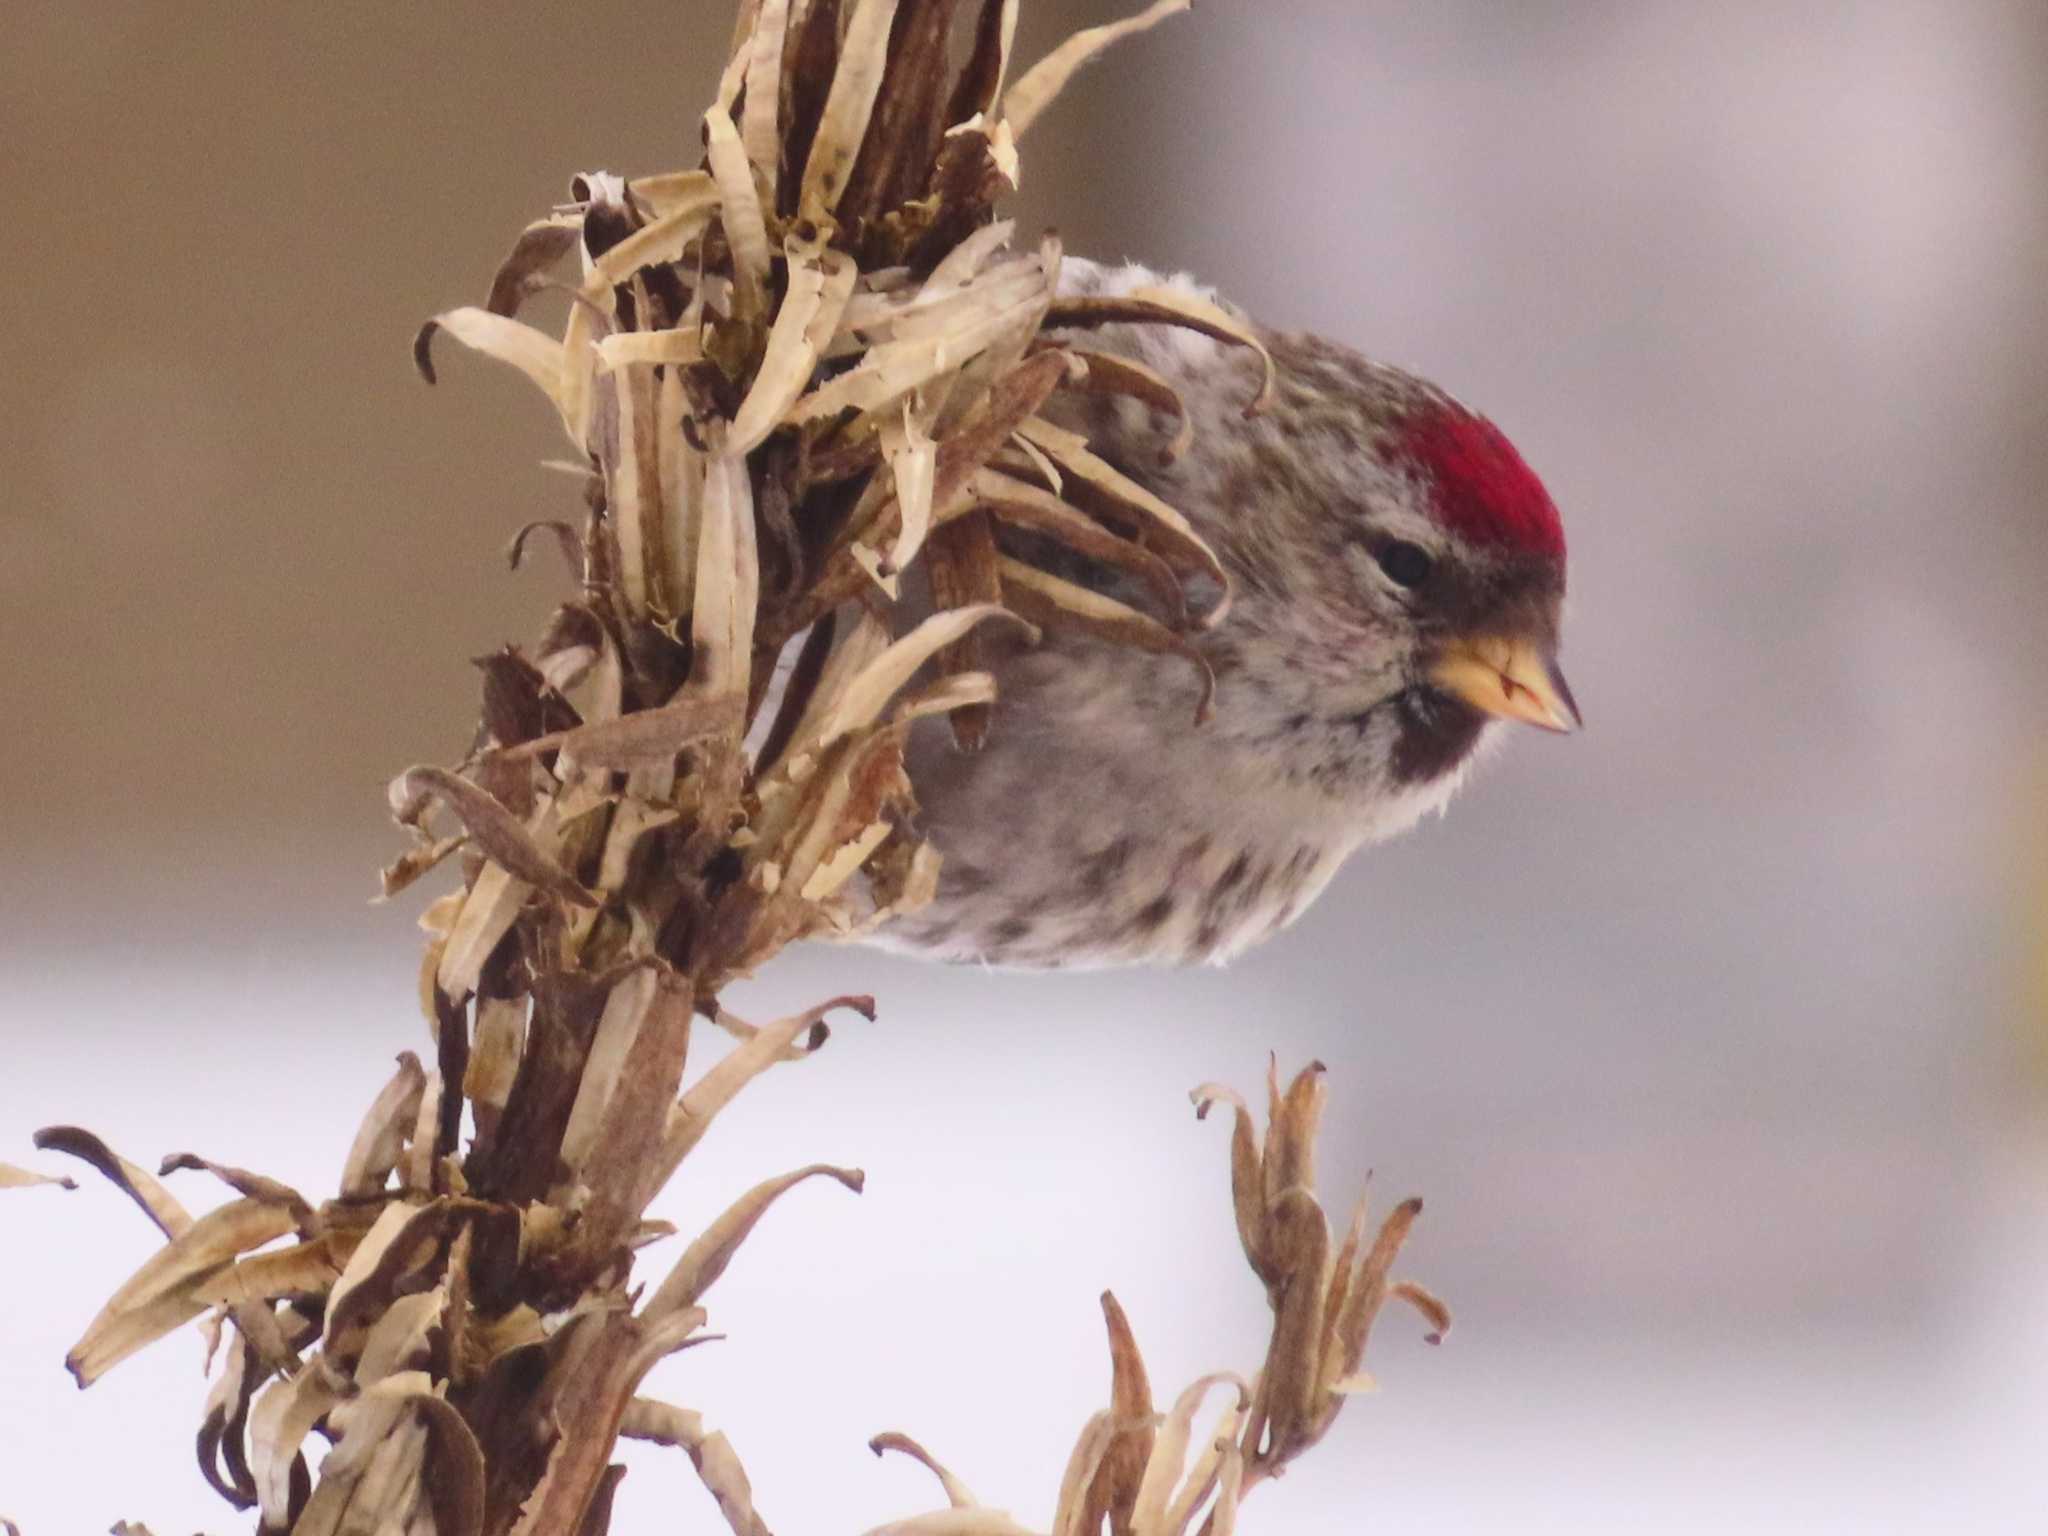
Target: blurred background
(1714, 1037)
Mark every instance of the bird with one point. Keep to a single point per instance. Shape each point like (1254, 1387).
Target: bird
(1398, 577)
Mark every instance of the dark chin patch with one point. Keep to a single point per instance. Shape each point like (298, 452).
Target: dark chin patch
(1434, 734)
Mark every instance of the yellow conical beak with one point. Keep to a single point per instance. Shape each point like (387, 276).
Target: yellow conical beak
(1514, 679)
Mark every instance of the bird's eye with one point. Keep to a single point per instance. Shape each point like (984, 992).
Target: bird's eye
(1406, 565)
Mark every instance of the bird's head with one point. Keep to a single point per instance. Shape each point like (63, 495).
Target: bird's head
(1402, 575)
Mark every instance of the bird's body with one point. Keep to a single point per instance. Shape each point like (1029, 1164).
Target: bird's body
(1101, 825)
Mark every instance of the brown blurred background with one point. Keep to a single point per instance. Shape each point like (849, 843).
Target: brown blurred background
(1713, 1035)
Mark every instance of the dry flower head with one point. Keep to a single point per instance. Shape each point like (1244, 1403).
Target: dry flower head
(788, 377)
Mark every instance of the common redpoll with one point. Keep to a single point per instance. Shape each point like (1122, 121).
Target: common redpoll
(1399, 573)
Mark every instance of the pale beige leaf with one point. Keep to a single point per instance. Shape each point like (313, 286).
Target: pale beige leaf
(958, 1495)
(1037, 86)
(760, 115)
(495, 1052)
(692, 1117)
(532, 352)
(844, 862)
(670, 191)
(399, 1339)
(728, 581)
(381, 1137)
(487, 914)
(706, 1258)
(661, 240)
(12, 1177)
(1202, 1477)
(1163, 1469)
(1082, 1465)
(892, 370)
(618, 1027)
(869, 693)
(964, 262)
(626, 349)
(740, 203)
(280, 1421)
(913, 463)
(820, 282)
(682, 491)
(863, 56)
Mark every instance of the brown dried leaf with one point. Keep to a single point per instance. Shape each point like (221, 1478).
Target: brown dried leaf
(627, 1168)
(1433, 1309)
(1168, 306)
(1021, 505)
(1247, 1180)
(279, 1424)
(1162, 524)
(1291, 1150)
(1368, 1292)
(1125, 377)
(222, 1461)
(645, 739)
(1113, 1494)
(500, 834)
(524, 272)
(414, 863)
(1293, 1373)
(981, 80)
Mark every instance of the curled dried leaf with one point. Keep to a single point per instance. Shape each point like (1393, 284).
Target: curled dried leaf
(1039, 85)
(706, 1258)
(1168, 306)
(12, 1177)
(958, 1495)
(138, 1184)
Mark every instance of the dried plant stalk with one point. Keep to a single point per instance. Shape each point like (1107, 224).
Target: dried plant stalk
(789, 377)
